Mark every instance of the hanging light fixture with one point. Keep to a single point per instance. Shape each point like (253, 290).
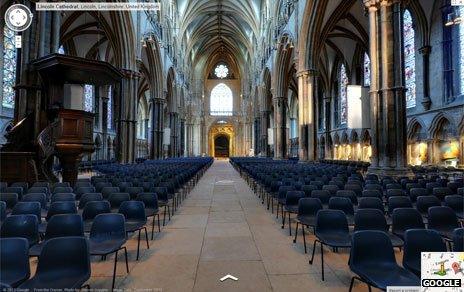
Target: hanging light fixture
(449, 19)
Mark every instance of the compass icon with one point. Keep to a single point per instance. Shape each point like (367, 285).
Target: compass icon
(18, 17)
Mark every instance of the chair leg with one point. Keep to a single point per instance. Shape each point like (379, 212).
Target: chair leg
(146, 237)
(283, 219)
(314, 249)
(169, 212)
(322, 260)
(138, 245)
(304, 237)
(296, 232)
(114, 269)
(351, 284)
(153, 227)
(289, 224)
(127, 262)
(159, 226)
(277, 211)
(164, 216)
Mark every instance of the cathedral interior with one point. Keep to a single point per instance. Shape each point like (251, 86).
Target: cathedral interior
(228, 120)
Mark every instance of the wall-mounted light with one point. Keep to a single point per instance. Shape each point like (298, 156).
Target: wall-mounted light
(453, 18)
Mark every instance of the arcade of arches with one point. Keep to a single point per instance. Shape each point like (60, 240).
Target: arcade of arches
(312, 79)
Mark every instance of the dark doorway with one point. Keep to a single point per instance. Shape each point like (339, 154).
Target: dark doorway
(221, 146)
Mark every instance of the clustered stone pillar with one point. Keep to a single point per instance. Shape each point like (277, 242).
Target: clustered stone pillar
(157, 128)
(264, 137)
(327, 125)
(127, 122)
(280, 132)
(425, 51)
(388, 105)
(173, 120)
(306, 107)
(257, 135)
(182, 137)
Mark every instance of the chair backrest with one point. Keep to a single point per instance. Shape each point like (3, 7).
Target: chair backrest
(307, 189)
(65, 207)
(293, 197)
(44, 190)
(16, 190)
(60, 184)
(65, 258)
(42, 184)
(354, 187)
(2, 211)
(371, 203)
(161, 192)
(331, 221)
(406, 218)
(370, 219)
(348, 194)
(372, 193)
(363, 256)
(14, 257)
(441, 192)
(147, 185)
(442, 218)
(458, 239)
(417, 192)
(58, 190)
(100, 185)
(455, 202)
(398, 202)
(83, 190)
(331, 188)
(20, 184)
(393, 186)
(133, 210)
(82, 184)
(10, 199)
(108, 227)
(342, 204)
(309, 206)
(282, 194)
(89, 197)
(134, 191)
(375, 187)
(63, 197)
(394, 193)
(124, 185)
(322, 195)
(149, 199)
(64, 225)
(26, 226)
(425, 202)
(94, 208)
(36, 197)
(27, 208)
(421, 240)
(107, 191)
(116, 199)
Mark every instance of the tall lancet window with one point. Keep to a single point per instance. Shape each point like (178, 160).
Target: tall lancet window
(221, 103)
(343, 84)
(9, 68)
(460, 10)
(88, 97)
(409, 59)
(109, 120)
(367, 70)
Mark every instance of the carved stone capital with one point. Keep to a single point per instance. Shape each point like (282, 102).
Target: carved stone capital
(307, 73)
(425, 50)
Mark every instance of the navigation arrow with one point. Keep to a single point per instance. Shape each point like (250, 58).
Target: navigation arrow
(229, 276)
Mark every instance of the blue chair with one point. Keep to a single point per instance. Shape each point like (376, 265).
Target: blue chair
(63, 225)
(371, 203)
(89, 197)
(28, 208)
(57, 190)
(425, 202)
(458, 239)
(63, 197)
(64, 263)
(404, 219)
(306, 216)
(14, 261)
(443, 220)
(25, 226)
(79, 191)
(374, 219)
(108, 236)
(107, 191)
(38, 197)
(398, 202)
(417, 241)
(16, 190)
(91, 210)
(456, 202)
(10, 200)
(2, 211)
(291, 206)
(150, 200)
(373, 261)
(134, 213)
(116, 199)
(331, 230)
(345, 205)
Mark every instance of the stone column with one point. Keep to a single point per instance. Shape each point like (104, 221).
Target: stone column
(182, 138)
(280, 128)
(388, 106)
(426, 101)
(126, 135)
(173, 148)
(257, 133)
(306, 109)
(157, 128)
(264, 137)
(327, 126)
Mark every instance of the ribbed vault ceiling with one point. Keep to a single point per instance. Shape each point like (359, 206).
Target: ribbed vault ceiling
(219, 29)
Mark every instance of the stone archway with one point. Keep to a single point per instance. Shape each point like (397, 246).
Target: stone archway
(221, 146)
(222, 140)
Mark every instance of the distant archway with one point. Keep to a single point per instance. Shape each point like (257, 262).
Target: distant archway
(221, 146)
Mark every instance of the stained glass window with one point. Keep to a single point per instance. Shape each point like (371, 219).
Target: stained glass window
(61, 50)
(343, 98)
(88, 98)
(221, 71)
(409, 59)
(9, 67)
(109, 120)
(221, 103)
(461, 48)
(367, 70)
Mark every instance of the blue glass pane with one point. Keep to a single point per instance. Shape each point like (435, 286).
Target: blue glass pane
(109, 120)
(409, 60)
(367, 70)
(461, 49)
(343, 98)
(9, 67)
(221, 101)
(61, 50)
(88, 98)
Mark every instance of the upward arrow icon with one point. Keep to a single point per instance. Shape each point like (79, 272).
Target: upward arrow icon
(229, 276)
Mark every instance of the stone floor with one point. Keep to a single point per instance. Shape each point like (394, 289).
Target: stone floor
(222, 228)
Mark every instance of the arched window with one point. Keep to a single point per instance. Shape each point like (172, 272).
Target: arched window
(343, 83)
(221, 103)
(88, 97)
(461, 51)
(367, 70)
(9, 67)
(409, 59)
(109, 116)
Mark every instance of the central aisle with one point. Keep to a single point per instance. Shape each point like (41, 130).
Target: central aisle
(222, 228)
